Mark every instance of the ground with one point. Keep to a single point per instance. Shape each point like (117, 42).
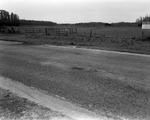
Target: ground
(104, 84)
(127, 39)
(13, 107)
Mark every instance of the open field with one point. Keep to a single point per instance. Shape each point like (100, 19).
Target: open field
(110, 38)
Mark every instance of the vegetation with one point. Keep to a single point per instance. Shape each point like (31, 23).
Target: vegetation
(140, 20)
(11, 19)
(7, 19)
(100, 24)
(127, 39)
(121, 36)
(35, 22)
(125, 24)
(91, 24)
(143, 19)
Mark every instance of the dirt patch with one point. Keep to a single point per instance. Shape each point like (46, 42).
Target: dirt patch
(77, 68)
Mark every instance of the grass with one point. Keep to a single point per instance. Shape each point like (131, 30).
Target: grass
(127, 39)
(13, 107)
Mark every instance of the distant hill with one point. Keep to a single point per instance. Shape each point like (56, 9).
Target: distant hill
(37, 23)
(125, 24)
(90, 24)
(100, 24)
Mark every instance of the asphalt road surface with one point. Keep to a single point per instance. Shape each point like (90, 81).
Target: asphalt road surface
(113, 83)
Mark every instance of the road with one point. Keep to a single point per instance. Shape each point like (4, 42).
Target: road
(112, 83)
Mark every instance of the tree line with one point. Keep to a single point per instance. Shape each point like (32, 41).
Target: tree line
(8, 19)
(35, 22)
(143, 19)
(11, 19)
(101, 24)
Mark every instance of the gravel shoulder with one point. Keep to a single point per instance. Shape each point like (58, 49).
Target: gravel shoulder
(13, 107)
(18, 101)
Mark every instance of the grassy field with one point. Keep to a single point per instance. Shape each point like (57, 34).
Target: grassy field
(109, 38)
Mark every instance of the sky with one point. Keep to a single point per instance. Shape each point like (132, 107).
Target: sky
(75, 11)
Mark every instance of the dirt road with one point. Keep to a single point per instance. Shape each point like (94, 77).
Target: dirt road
(110, 83)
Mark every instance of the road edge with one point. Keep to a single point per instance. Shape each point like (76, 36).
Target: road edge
(69, 109)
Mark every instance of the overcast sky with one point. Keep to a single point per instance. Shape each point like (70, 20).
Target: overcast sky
(74, 11)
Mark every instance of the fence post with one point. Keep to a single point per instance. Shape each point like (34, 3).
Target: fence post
(59, 31)
(18, 30)
(46, 31)
(66, 31)
(71, 30)
(91, 33)
(76, 30)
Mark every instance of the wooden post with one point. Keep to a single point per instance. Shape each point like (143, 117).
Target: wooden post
(91, 33)
(69, 30)
(59, 31)
(66, 32)
(46, 31)
(76, 30)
